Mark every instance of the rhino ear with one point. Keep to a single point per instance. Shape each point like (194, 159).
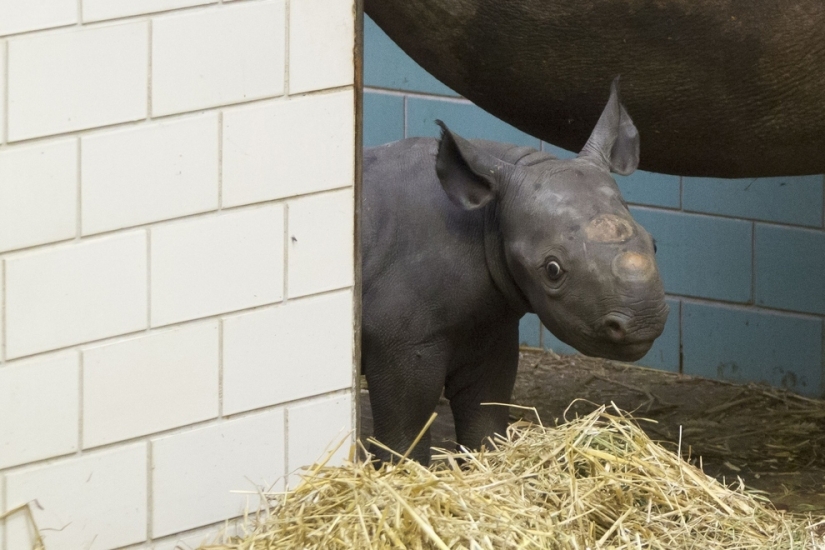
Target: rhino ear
(469, 176)
(615, 140)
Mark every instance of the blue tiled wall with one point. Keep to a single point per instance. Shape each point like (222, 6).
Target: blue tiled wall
(739, 343)
(743, 260)
(790, 268)
(464, 118)
(701, 256)
(790, 200)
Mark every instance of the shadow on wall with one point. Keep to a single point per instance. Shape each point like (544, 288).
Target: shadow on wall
(743, 260)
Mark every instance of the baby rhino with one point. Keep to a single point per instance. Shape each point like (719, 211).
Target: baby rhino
(462, 238)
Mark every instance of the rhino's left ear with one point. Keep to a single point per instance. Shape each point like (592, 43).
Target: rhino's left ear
(615, 140)
(469, 175)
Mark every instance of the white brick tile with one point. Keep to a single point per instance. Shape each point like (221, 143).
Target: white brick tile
(150, 173)
(214, 535)
(315, 429)
(77, 79)
(93, 502)
(75, 293)
(321, 242)
(288, 148)
(2, 309)
(287, 352)
(194, 472)
(38, 408)
(150, 383)
(217, 264)
(29, 15)
(38, 194)
(2, 523)
(321, 44)
(2, 90)
(217, 57)
(98, 10)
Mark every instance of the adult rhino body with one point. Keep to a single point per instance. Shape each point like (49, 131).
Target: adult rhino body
(461, 239)
(730, 88)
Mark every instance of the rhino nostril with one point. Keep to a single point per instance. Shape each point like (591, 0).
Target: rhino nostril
(615, 328)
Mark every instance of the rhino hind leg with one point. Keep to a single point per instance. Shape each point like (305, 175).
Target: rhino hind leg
(405, 383)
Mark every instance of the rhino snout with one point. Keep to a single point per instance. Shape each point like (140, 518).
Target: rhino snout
(614, 327)
(616, 341)
(624, 330)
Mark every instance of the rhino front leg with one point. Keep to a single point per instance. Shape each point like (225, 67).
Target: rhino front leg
(489, 379)
(405, 383)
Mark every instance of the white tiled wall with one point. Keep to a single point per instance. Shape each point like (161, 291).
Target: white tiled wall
(316, 28)
(92, 501)
(98, 10)
(241, 455)
(215, 264)
(35, 14)
(121, 189)
(75, 79)
(261, 349)
(215, 57)
(38, 193)
(205, 536)
(3, 50)
(281, 148)
(176, 261)
(39, 408)
(314, 417)
(309, 241)
(150, 383)
(75, 292)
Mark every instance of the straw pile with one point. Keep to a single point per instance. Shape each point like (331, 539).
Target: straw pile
(595, 482)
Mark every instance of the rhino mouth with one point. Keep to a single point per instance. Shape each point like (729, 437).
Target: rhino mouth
(628, 352)
(632, 351)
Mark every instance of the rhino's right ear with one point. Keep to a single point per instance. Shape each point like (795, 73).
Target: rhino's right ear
(614, 142)
(469, 176)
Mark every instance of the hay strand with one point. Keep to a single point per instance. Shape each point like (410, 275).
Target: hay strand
(26, 510)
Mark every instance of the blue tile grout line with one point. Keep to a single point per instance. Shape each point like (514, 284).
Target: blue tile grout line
(418, 95)
(681, 201)
(822, 352)
(405, 117)
(823, 221)
(681, 339)
(810, 228)
(754, 271)
(739, 306)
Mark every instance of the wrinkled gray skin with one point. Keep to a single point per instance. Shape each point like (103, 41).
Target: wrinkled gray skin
(461, 239)
(729, 88)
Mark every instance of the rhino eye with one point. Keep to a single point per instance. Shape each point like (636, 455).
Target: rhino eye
(654, 246)
(554, 270)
